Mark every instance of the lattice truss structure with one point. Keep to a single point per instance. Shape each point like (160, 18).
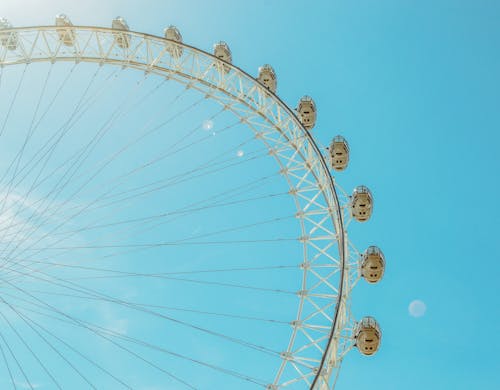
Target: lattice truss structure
(322, 332)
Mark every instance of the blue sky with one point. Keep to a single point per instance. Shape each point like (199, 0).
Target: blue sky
(414, 87)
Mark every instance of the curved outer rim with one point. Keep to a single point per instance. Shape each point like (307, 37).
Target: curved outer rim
(329, 359)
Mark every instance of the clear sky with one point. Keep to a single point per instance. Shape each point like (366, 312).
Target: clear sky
(415, 88)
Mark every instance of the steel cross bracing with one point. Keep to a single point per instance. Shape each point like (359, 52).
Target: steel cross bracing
(321, 333)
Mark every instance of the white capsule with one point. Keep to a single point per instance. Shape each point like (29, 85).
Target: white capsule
(172, 33)
(267, 77)
(372, 264)
(9, 40)
(339, 153)
(367, 336)
(361, 204)
(64, 30)
(222, 52)
(122, 39)
(307, 112)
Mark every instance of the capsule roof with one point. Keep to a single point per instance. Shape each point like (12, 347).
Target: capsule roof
(4, 24)
(362, 190)
(119, 23)
(173, 33)
(63, 20)
(221, 43)
(340, 139)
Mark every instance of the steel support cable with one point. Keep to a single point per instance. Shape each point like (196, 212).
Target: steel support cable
(20, 154)
(74, 194)
(171, 181)
(109, 123)
(3, 353)
(174, 243)
(182, 179)
(38, 123)
(137, 104)
(182, 211)
(239, 189)
(144, 193)
(224, 129)
(162, 307)
(199, 362)
(221, 130)
(12, 102)
(31, 351)
(169, 214)
(62, 165)
(66, 128)
(98, 366)
(160, 349)
(83, 323)
(93, 142)
(142, 136)
(151, 218)
(184, 175)
(46, 341)
(212, 283)
(201, 166)
(28, 382)
(125, 274)
(64, 283)
(231, 229)
(63, 129)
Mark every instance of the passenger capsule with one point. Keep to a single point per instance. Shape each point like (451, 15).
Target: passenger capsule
(64, 30)
(372, 264)
(222, 52)
(173, 34)
(367, 336)
(8, 40)
(121, 39)
(361, 204)
(267, 77)
(307, 112)
(339, 153)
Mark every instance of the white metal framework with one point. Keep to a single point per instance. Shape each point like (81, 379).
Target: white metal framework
(322, 331)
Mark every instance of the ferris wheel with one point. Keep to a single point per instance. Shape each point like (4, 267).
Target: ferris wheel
(167, 221)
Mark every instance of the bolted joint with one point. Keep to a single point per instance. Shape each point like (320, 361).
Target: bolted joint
(305, 265)
(296, 324)
(286, 356)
